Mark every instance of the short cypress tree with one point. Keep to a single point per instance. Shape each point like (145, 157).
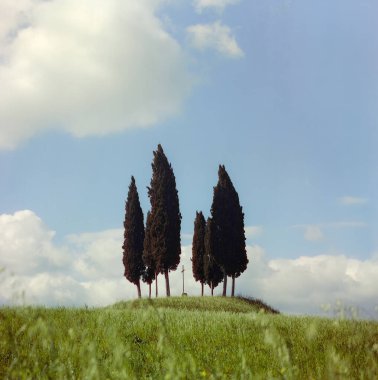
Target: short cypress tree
(213, 272)
(228, 217)
(148, 277)
(148, 257)
(198, 249)
(133, 237)
(165, 216)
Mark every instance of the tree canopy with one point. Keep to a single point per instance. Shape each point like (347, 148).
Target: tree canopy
(230, 252)
(213, 272)
(133, 237)
(198, 249)
(148, 256)
(165, 216)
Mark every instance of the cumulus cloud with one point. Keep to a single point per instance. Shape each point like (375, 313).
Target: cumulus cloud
(87, 269)
(218, 5)
(214, 36)
(350, 201)
(304, 284)
(26, 245)
(98, 254)
(88, 67)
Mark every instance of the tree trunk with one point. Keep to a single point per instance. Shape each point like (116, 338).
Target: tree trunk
(212, 289)
(156, 284)
(167, 283)
(138, 287)
(149, 290)
(224, 285)
(233, 286)
(202, 289)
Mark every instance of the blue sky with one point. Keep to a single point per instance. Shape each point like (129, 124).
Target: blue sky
(284, 93)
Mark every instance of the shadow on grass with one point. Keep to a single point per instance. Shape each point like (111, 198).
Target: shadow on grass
(259, 304)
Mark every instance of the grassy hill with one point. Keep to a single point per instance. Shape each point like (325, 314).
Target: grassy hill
(183, 337)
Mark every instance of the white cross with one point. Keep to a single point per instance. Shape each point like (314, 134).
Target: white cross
(183, 279)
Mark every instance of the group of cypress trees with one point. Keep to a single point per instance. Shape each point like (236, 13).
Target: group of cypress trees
(218, 248)
(156, 249)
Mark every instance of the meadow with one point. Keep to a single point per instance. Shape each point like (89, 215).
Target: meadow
(183, 338)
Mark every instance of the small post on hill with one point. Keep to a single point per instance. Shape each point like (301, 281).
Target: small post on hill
(183, 281)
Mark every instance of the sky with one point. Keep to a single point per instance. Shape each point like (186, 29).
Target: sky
(284, 93)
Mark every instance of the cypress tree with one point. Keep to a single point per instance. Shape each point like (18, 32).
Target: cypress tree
(165, 216)
(228, 217)
(133, 237)
(213, 272)
(148, 257)
(198, 249)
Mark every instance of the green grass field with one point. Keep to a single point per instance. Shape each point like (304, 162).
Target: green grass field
(182, 338)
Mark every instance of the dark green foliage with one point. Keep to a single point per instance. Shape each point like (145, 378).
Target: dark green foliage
(227, 214)
(133, 236)
(165, 214)
(213, 272)
(148, 255)
(148, 275)
(198, 248)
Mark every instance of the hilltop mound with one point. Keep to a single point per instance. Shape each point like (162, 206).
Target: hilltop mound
(217, 304)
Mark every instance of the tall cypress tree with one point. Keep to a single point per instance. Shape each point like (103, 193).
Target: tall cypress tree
(228, 217)
(148, 257)
(213, 272)
(198, 249)
(165, 216)
(133, 237)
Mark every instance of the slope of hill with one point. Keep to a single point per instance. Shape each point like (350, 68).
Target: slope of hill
(186, 337)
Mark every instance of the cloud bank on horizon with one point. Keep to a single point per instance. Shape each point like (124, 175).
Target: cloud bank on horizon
(85, 67)
(87, 269)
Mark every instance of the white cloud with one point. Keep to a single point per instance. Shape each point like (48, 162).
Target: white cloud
(94, 260)
(350, 201)
(88, 269)
(253, 231)
(88, 67)
(214, 36)
(26, 244)
(304, 284)
(218, 5)
(313, 233)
